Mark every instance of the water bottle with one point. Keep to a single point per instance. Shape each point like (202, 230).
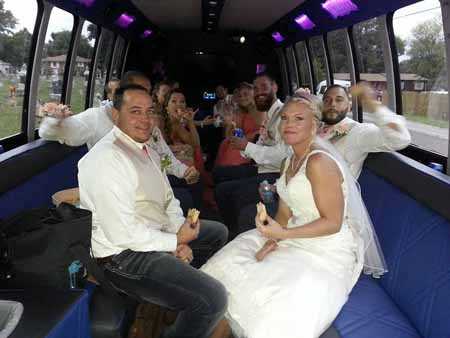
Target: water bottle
(266, 192)
(238, 132)
(74, 271)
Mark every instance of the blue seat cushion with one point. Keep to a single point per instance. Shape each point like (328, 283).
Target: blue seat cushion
(371, 313)
(416, 244)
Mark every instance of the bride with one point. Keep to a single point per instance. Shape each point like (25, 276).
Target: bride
(313, 250)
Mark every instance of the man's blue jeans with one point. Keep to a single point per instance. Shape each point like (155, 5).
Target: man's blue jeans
(161, 278)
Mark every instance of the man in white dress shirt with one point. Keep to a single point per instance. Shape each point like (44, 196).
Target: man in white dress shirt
(94, 123)
(355, 140)
(239, 183)
(352, 139)
(139, 233)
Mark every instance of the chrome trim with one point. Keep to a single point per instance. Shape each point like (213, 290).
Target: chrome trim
(388, 65)
(125, 57)
(73, 61)
(94, 69)
(445, 7)
(36, 71)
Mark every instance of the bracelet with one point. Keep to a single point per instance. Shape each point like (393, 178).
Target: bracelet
(201, 124)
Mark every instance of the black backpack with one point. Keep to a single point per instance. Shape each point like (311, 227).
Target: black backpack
(45, 247)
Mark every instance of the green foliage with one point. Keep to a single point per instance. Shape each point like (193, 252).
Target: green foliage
(16, 48)
(426, 53)
(7, 19)
(368, 40)
(59, 43)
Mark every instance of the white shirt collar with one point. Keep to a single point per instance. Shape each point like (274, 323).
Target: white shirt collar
(127, 139)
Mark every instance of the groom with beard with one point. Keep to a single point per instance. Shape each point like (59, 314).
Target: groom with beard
(242, 190)
(352, 139)
(355, 140)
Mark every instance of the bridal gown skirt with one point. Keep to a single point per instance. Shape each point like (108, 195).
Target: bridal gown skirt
(295, 292)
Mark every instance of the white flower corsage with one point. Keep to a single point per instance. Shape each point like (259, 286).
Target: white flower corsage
(166, 161)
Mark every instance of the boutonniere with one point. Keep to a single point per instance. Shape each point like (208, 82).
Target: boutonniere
(341, 130)
(333, 133)
(166, 161)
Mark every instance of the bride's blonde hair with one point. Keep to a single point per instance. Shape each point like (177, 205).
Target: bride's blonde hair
(311, 101)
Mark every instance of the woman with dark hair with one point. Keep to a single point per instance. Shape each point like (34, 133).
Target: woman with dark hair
(180, 133)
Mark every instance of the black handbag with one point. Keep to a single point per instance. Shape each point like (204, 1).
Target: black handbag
(45, 247)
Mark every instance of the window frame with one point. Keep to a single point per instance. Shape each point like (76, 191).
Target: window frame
(66, 92)
(293, 78)
(12, 141)
(308, 64)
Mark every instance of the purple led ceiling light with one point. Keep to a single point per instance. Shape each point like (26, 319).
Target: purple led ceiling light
(125, 20)
(147, 33)
(86, 3)
(304, 22)
(339, 8)
(277, 36)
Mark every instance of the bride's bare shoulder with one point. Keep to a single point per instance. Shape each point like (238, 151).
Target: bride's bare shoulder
(321, 165)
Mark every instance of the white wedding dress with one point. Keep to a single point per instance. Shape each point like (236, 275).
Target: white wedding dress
(296, 291)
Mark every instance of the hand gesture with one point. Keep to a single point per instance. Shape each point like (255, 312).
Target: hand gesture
(228, 119)
(273, 230)
(208, 120)
(303, 90)
(366, 95)
(263, 132)
(55, 110)
(191, 175)
(189, 114)
(188, 231)
(184, 253)
(239, 143)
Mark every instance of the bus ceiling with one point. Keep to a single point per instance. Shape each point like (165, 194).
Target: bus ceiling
(287, 22)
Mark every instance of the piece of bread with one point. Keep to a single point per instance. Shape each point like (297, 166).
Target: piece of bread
(261, 211)
(193, 214)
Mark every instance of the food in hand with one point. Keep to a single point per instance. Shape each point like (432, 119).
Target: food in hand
(262, 212)
(193, 215)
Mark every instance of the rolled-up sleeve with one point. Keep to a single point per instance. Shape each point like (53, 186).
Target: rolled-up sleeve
(384, 137)
(264, 155)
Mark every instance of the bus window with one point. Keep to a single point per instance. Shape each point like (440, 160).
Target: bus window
(369, 46)
(292, 69)
(81, 70)
(423, 74)
(16, 29)
(57, 43)
(318, 57)
(119, 51)
(103, 61)
(339, 57)
(302, 65)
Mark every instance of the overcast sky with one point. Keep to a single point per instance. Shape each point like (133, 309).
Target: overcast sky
(404, 19)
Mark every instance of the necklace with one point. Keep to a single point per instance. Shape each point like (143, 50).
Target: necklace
(295, 167)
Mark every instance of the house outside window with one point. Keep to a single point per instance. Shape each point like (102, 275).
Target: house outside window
(419, 85)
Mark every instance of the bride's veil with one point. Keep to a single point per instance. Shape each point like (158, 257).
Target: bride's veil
(357, 217)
